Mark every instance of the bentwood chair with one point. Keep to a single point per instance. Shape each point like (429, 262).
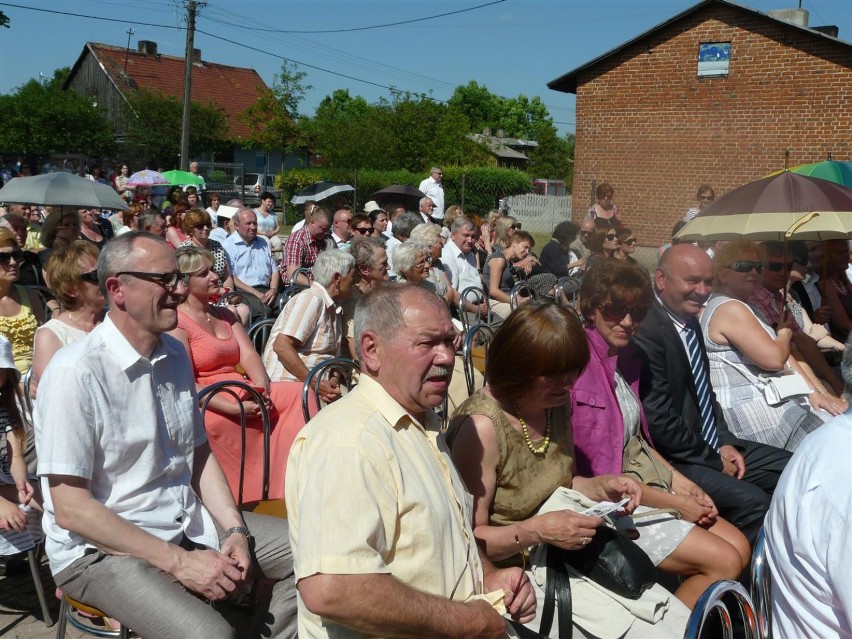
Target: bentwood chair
(346, 370)
(259, 333)
(477, 339)
(519, 290)
(761, 586)
(242, 391)
(476, 296)
(711, 602)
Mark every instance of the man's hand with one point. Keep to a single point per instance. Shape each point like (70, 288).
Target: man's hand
(482, 621)
(519, 597)
(732, 462)
(268, 297)
(237, 548)
(209, 573)
(329, 389)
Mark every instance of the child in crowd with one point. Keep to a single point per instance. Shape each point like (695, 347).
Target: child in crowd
(20, 528)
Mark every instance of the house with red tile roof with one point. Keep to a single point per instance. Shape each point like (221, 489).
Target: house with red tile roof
(111, 74)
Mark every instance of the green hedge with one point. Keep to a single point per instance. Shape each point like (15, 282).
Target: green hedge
(483, 186)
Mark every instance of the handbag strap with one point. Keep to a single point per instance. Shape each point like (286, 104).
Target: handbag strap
(557, 589)
(646, 448)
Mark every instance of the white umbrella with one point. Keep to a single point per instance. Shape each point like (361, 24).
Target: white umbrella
(61, 189)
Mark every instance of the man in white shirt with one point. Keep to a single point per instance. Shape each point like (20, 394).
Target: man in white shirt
(433, 187)
(125, 467)
(460, 263)
(809, 533)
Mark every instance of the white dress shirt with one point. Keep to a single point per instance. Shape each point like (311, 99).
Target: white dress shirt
(460, 267)
(435, 192)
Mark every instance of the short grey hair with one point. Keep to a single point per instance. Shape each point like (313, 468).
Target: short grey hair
(436, 168)
(364, 250)
(424, 199)
(381, 310)
(405, 255)
(118, 255)
(846, 368)
(330, 263)
(405, 223)
(426, 234)
(462, 223)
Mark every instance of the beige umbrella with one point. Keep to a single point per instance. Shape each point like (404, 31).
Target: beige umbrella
(762, 227)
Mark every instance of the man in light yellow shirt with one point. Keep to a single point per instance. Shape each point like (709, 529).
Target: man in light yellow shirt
(380, 522)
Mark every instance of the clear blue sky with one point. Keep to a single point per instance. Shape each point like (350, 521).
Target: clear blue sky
(512, 47)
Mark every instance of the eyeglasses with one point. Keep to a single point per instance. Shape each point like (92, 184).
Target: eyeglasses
(516, 227)
(5, 258)
(617, 311)
(612, 237)
(425, 260)
(779, 266)
(630, 240)
(585, 232)
(199, 227)
(746, 266)
(91, 276)
(706, 198)
(364, 230)
(167, 280)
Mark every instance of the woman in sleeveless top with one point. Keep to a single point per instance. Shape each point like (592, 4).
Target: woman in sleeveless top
(512, 444)
(73, 275)
(221, 351)
(20, 313)
(740, 347)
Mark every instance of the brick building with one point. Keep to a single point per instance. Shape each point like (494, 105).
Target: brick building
(655, 122)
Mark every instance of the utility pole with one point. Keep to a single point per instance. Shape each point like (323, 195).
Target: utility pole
(187, 82)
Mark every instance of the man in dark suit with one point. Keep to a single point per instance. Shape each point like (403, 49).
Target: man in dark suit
(685, 420)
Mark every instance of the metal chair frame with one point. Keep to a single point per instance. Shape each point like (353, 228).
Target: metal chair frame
(66, 615)
(467, 351)
(34, 562)
(231, 388)
(259, 333)
(316, 374)
(231, 297)
(286, 295)
(45, 295)
(761, 586)
(711, 601)
(559, 293)
(473, 295)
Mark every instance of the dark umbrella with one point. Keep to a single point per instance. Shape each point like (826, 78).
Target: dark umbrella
(320, 191)
(399, 193)
(786, 192)
(61, 189)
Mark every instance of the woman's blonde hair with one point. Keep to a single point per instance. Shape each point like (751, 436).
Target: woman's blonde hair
(7, 238)
(63, 270)
(191, 258)
(194, 217)
(501, 227)
(730, 252)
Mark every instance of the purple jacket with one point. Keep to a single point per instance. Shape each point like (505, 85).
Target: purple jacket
(596, 419)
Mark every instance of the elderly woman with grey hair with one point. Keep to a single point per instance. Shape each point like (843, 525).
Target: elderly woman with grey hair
(309, 330)
(430, 236)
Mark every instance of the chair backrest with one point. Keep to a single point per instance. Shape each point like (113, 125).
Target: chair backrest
(711, 602)
(44, 295)
(518, 290)
(231, 297)
(240, 391)
(27, 381)
(259, 332)
(761, 586)
(566, 291)
(286, 295)
(345, 366)
(477, 339)
(472, 295)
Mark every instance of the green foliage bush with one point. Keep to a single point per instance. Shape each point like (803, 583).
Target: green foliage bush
(482, 186)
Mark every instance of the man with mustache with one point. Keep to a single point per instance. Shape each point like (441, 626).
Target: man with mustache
(685, 421)
(138, 516)
(379, 522)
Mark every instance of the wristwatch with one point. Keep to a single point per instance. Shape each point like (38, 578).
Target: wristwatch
(242, 530)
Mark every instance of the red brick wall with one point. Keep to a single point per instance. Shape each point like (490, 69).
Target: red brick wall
(647, 125)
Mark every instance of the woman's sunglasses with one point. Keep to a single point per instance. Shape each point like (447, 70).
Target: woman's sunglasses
(746, 266)
(364, 230)
(91, 276)
(5, 258)
(617, 311)
(516, 227)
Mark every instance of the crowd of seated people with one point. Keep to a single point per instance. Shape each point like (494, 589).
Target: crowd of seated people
(548, 419)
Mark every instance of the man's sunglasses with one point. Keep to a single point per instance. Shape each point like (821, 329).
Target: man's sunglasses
(5, 258)
(364, 230)
(746, 266)
(779, 266)
(91, 276)
(166, 280)
(617, 311)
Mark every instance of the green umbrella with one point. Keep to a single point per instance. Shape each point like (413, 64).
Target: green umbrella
(831, 170)
(182, 177)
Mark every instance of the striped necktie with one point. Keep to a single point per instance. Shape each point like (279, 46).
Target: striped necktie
(702, 385)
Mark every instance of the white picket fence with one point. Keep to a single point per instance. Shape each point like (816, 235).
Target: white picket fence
(539, 213)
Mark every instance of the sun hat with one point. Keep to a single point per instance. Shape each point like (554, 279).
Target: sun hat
(7, 359)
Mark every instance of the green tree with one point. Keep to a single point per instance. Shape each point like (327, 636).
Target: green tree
(518, 117)
(550, 159)
(154, 132)
(273, 118)
(40, 118)
(4, 20)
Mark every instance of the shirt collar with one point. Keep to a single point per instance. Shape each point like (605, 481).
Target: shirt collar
(123, 352)
(680, 323)
(326, 298)
(390, 409)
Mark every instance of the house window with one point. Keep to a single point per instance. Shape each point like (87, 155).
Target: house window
(713, 58)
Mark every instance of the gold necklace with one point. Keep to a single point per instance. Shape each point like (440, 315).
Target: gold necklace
(189, 312)
(540, 450)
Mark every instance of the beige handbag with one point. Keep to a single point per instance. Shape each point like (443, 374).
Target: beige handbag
(638, 463)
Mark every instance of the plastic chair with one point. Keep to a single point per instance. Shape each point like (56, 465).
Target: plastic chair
(66, 615)
(322, 370)
(239, 390)
(471, 350)
(519, 289)
(761, 586)
(259, 332)
(711, 601)
(472, 295)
